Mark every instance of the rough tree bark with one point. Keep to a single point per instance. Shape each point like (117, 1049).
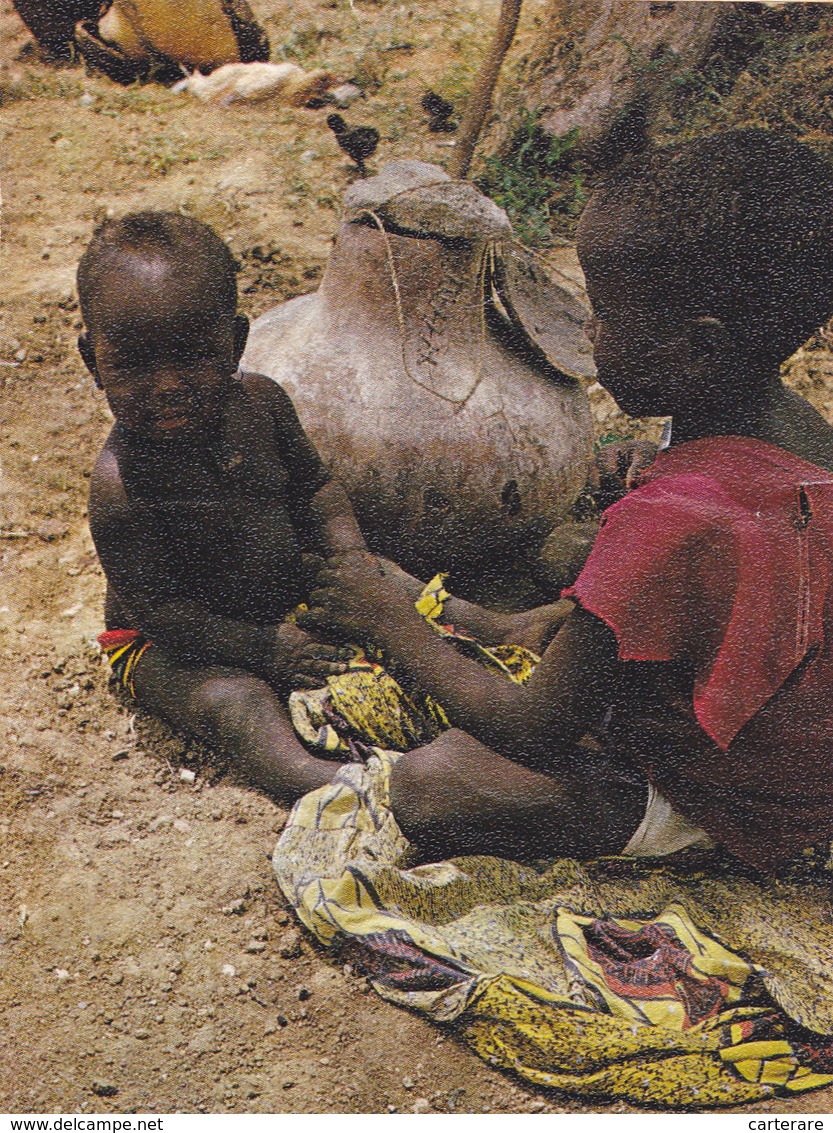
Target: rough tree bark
(604, 68)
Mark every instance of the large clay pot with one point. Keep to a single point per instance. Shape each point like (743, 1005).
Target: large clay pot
(435, 369)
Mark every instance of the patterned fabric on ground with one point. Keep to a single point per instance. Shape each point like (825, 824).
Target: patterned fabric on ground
(123, 649)
(620, 977)
(656, 981)
(663, 972)
(365, 707)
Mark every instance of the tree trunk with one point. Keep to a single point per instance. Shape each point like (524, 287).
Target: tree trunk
(604, 68)
(480, 98)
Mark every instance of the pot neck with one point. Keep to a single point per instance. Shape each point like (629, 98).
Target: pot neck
(439, 285)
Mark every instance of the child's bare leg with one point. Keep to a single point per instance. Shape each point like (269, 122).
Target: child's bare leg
(238, 714)
(456, 796)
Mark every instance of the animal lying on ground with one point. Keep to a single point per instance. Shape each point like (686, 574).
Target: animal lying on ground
(358, 143)
(258, 82)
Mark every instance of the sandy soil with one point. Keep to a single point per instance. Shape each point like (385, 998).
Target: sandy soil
(147, 961)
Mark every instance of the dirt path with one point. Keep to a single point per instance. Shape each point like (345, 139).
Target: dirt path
(146, 959)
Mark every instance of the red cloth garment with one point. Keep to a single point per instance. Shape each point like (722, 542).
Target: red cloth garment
(723, 559)
(124, 649)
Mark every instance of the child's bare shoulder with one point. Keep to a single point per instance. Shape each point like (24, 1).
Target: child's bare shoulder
(297, 451)
(268, 394)
(107, 491)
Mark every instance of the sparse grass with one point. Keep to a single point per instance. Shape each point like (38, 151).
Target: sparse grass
(305, 42)
(138, 98)
(537, 183)
(457, 82)
(159, 153)
(784, 84)
(57, 83)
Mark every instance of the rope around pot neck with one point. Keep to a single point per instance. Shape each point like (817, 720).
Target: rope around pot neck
(488, 253)
(511, 238)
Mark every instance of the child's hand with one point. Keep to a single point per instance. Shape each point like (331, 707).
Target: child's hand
(302, 662)
(317, 661)
(617, 465)
(535, 629)
(562, 556)
(355, 596)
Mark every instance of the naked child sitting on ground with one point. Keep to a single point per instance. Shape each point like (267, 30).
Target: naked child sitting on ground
(207, 499)
(210, 509)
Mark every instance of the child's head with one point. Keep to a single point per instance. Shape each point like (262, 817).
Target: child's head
(723, 244)
(158, 295)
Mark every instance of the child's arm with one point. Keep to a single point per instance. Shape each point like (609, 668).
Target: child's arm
(533, 628)
(334, 522)
(134, 563)
(565, 697)
(319, 505)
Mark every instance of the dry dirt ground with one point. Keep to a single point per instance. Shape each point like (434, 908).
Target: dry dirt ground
(147, 961)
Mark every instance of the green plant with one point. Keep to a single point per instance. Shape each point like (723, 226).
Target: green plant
(159, 153)
(305, 42)
(537, 181)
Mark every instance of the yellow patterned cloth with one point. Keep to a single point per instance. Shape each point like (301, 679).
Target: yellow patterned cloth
(499, 949)
(662, 981)
(365, 707)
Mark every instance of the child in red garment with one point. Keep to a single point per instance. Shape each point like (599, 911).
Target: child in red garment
(700, 630)
(731, 571)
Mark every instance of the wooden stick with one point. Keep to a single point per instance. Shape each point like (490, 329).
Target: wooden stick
(480, 98)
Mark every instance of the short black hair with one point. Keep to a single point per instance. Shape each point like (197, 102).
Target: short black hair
(153, 233)
(735, 225)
